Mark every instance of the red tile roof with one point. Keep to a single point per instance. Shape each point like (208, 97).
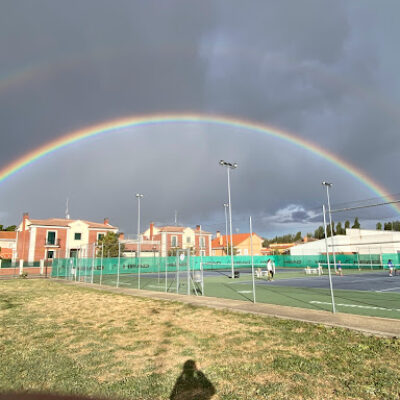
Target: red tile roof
(8, 235)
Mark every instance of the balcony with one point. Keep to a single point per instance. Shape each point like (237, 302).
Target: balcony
(52, 243)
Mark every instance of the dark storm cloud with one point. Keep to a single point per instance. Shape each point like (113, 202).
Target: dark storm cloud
(324, 70)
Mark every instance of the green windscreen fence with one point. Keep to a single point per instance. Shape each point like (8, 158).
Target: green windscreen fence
(113, 266)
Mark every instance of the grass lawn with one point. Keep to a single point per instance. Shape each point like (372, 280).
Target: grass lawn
(75, 340)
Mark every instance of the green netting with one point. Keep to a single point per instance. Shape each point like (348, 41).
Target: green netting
(109, 266)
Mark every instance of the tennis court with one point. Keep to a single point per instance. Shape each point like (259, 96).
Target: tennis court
(367, 290)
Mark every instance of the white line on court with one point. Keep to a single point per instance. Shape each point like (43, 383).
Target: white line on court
(244, 291)
(356, 306)
(387, 290)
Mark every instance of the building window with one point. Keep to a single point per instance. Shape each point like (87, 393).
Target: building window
(100, 236)
(51, 237)
(50, 254)
(174, 241)
(202, 252)
(202, 242)
(188, 240)
(78, 236)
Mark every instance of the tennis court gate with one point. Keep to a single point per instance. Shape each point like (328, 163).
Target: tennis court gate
(186, 277)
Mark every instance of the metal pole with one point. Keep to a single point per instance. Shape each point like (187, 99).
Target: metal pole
(230, 222)
(119, 261)
(252, 261)
(202, 279)
(329, 265)
(177, 271)
(138, 196)
(91, 280)
(188, 271)
(226, 227)
(330, 222)
(101, 263)
(138, 227)
(166, 273)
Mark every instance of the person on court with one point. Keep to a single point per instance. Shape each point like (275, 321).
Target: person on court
(390, 266)
(339, 268)
(271, 270)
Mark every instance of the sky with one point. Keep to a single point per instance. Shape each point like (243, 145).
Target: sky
(324, 71)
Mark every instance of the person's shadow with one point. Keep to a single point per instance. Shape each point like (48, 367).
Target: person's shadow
(192, 384)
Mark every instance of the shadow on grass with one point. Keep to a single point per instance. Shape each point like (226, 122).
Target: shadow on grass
(192, 384)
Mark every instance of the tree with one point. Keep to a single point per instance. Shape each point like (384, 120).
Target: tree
(110, 245)
(11, 228)
(339, 229)
(356, 224)
(298, 237)
(387, 226)
(396, 226)
(347, 225)
(378, 226)
(319, 233)
(235, 251)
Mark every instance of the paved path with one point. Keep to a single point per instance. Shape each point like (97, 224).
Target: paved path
(369, 325)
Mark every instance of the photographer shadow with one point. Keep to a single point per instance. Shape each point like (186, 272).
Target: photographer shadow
(192, 384)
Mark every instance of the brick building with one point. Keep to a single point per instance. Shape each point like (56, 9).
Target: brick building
(39, 239)
(8, 242)
(170, 238)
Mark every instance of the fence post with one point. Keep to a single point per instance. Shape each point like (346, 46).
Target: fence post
(119, 261)
(41, 266)
(21, 267)
(101, 263)
(166, 274)
(91, 280)
(329, 265)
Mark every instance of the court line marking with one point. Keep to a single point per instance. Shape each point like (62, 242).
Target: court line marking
(387, 290)
(355, 306)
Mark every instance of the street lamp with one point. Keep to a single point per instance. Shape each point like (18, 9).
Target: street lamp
(226, 227)
(328, 185)
(230, 166)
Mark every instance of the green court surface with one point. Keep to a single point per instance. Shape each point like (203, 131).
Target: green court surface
(371, 303)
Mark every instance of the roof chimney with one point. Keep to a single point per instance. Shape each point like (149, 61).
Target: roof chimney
(220, 241)
(305, 240)
(121, 236)
(25, 216)
(197, 227)
(151, 230)
(106, 221)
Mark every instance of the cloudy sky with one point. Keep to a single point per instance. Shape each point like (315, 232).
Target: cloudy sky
(325, 71)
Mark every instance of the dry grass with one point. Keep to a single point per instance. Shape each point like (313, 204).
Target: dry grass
(75, 340)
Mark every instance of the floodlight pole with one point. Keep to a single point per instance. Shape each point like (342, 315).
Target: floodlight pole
(138, 196)
(230, 166)
(252, 260)
(329, 265)
(328, 185)
(226, 226)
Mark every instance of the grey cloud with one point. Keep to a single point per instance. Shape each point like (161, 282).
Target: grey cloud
(321, 69)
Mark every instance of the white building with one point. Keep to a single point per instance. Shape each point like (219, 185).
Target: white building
(361, 241)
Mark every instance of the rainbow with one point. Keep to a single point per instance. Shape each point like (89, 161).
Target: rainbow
(216, 120)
